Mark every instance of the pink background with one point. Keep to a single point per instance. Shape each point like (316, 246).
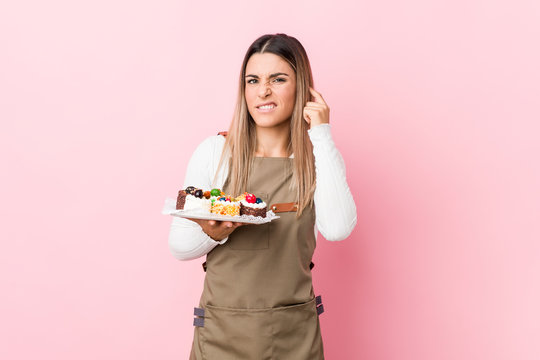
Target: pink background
(434, 106)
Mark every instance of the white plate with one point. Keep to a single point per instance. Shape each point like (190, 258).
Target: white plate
(170, 209)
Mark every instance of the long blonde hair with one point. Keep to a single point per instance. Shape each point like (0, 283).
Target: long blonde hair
(241, 138)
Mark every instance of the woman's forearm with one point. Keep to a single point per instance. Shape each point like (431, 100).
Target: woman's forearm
(188, 241)
(334, 205)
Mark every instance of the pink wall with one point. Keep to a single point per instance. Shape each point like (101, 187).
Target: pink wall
(434, 106)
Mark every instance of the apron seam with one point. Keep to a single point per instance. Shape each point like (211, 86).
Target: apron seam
(274, 308)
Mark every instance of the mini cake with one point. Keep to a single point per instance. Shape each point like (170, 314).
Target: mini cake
(252, 205)
(181, 199)
(224, 205)
(216, 202)
(192, 199)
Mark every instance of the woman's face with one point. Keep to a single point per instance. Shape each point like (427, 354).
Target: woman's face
(269, 79)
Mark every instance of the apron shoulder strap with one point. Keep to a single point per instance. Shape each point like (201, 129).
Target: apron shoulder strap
(224, 133)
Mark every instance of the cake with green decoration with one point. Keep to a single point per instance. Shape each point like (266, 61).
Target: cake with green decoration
(217, 202)
(225, 205)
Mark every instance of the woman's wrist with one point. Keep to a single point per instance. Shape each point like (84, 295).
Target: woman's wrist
(319, 131)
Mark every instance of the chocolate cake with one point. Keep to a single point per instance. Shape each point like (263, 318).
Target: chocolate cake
(181, 200)
(257, 209)
(215, 201)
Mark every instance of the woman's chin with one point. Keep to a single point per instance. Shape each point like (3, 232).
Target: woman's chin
(269, 122)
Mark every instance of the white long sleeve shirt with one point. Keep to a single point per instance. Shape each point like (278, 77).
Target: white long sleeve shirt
(335, 210)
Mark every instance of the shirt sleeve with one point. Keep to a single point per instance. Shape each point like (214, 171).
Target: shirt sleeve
(335, 209)
(187, 240)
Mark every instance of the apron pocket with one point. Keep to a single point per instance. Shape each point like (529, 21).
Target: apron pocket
(236, 334)
(296, 332)
(251, 236)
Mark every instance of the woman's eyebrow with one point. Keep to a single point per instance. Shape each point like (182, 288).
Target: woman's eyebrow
(272, 75)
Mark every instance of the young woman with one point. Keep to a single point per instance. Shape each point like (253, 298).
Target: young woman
(258, 300)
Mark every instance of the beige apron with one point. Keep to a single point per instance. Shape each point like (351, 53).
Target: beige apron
(258, 301)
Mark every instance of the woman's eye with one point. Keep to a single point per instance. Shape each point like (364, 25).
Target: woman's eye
(250, 81)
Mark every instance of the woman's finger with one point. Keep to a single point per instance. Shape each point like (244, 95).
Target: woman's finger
(314, 104)
(307, 115)
(318, 97)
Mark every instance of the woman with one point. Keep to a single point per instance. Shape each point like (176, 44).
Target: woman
(258, 300)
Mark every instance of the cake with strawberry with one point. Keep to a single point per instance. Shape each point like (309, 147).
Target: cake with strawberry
(252, 205)
(217, 202)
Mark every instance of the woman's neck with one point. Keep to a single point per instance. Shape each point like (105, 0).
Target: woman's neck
(273, 141)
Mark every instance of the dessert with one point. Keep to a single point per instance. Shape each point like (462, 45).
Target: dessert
(216, 201)
(225, 205)
(181, 200)
(192, 199)
(252, 205)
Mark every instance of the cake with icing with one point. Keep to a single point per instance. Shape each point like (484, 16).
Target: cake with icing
(192, 198)
(225, 205)
(252, 205)
(217, 202)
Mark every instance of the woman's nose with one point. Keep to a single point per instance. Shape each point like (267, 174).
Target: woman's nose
(264, 89)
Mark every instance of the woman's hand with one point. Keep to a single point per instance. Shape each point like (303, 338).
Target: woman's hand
(316, 113)
(217, 230)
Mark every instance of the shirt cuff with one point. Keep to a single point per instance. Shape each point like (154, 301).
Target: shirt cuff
(211, 241)
(320, 131)
(221, 242)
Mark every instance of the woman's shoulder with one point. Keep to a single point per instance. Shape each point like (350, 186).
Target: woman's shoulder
(204, 160)
(218, 138)
(211, 144)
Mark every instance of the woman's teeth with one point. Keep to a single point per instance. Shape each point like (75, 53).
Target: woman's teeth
(267, 107)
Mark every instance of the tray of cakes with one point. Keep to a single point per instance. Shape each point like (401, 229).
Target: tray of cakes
(216, 205)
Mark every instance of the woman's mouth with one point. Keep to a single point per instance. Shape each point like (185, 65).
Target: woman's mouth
(266, 108)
